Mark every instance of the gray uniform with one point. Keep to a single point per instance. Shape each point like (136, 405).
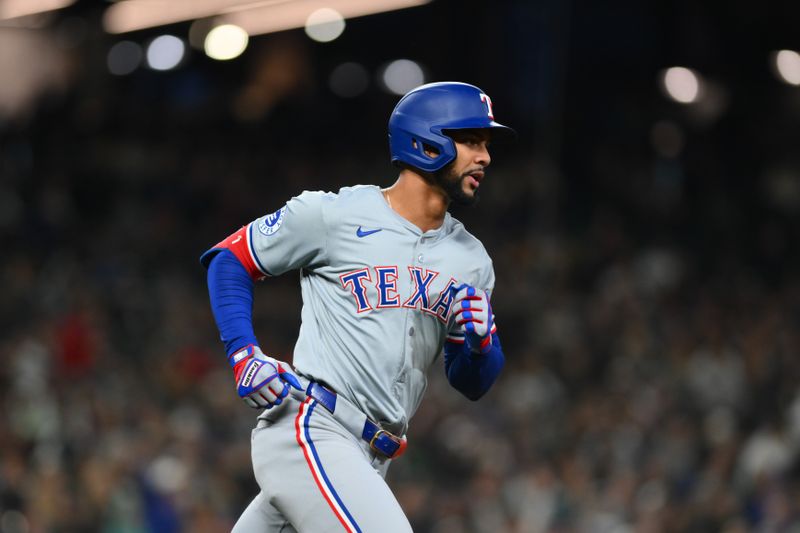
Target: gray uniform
(376, 312)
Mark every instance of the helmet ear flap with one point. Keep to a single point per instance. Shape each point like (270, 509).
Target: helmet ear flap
(430, 151)
(429, 154)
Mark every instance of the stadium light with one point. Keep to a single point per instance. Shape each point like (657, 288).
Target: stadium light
(255, 17)
(289, 15)
(131, 15)
(682, 84)
(10, 9)
(225, 42)
(787, 66)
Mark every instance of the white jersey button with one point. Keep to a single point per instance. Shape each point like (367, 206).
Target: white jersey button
(411, 331)
(421, 258)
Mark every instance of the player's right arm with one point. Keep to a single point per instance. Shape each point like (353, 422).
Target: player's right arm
(292, 237)
(261, 381)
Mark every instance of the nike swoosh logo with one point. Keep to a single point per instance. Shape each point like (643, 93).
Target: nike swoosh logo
(362, 233)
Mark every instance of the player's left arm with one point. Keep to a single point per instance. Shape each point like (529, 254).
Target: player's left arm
(473, 355)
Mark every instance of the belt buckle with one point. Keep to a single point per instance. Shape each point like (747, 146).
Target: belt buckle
(401, 444)
(375, 437)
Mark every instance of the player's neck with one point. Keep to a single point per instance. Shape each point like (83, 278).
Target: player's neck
(417, 200)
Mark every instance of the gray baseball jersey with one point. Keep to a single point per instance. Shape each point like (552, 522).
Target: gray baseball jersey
(375, 288)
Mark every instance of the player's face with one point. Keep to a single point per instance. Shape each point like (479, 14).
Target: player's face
(462, 178)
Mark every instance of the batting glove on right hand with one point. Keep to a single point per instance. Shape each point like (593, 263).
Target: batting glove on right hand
(473, 312)
(262, 381)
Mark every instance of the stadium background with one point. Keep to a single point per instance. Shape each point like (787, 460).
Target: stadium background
(645, 251)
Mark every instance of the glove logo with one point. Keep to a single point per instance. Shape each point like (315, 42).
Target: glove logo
(251, 372)
(272, 223)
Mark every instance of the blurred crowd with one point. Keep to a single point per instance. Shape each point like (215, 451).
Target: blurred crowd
(652, 380)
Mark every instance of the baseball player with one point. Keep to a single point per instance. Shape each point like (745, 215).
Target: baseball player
(389, 281)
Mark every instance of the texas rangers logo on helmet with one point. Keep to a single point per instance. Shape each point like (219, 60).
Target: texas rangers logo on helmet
(488, 101)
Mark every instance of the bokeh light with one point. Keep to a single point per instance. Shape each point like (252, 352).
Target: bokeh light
(225, 42)
(402, 75)
(681, 84)
(349, 80)
(324, 25)
(198, 31)
(165, 52)
(124, 57)
(787, 66)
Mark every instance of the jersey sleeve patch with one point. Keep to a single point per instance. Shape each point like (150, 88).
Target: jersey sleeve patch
(273, 222)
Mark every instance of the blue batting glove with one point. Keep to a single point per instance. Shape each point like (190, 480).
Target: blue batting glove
(473, 312)
(261, 381)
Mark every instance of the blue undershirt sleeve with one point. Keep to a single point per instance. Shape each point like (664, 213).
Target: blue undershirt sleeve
(230, 290)
(473, 374)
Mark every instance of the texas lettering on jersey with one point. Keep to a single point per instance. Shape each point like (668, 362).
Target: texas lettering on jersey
(384, 278)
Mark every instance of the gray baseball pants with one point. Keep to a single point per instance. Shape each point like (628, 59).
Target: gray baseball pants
(315, 476)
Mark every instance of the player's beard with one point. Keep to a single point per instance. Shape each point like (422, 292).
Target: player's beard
(453, 185)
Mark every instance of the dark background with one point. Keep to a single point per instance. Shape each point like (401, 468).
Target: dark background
(645, 251)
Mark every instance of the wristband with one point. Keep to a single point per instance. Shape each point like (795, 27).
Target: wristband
(241, 355)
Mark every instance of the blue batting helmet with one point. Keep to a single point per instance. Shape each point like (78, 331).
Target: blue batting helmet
(422, 117)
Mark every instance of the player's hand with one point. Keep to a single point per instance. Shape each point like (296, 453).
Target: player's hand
(262, 381)
(473, 312)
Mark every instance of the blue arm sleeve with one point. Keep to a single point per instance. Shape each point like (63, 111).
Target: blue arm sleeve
(230, 290)
(473, 374)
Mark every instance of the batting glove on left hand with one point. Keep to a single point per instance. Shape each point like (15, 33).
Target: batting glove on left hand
(473, 312)
(262, 381)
